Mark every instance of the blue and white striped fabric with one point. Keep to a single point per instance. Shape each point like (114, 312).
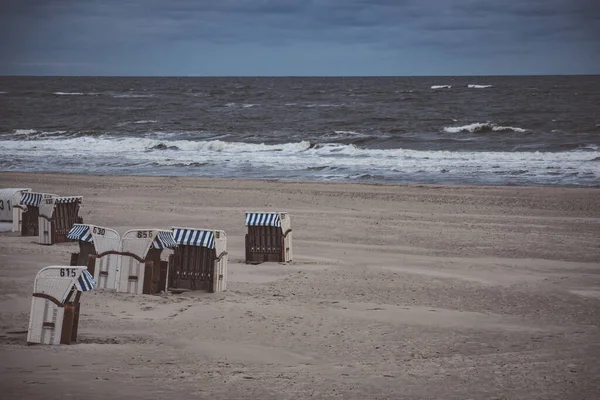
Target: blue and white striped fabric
(72, 199)
(194, 237)
(263, 219)
(164, 240)
(85, 282)
(31, 199)
(80, 232)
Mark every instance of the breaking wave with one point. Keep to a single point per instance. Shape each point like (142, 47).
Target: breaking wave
(441, 87)
(121, 145)
(592, 147)
(293, 160)
(28, 134)
(480, 127)
(25, 131)
(471, 86)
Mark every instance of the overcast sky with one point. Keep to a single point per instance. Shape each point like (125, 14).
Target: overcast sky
(299, 37)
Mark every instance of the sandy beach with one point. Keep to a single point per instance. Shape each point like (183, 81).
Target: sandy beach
(424, 292)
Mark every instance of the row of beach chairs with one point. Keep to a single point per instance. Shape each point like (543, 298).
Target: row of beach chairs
(130, 263)
(45, 215)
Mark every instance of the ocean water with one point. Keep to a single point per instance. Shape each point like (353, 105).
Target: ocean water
(443, 130)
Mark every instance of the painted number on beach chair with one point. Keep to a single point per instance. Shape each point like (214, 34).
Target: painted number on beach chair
(68, 272)
(144, 234)
(50, 201)
(99, 231)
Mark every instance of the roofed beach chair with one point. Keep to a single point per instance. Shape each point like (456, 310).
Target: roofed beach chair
(57, 215)
(200, 260)
(30, 205)
(134, 265)
(54, 316)
(269, 237)
(92, 240)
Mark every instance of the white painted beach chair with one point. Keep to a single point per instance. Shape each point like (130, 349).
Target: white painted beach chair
(54, 316)
(10, 208)
(100, 242)
(200, 260)
(57, 215)
(134, 266)
(269, 237)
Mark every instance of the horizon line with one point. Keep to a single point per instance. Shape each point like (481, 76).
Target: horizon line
(294, 76)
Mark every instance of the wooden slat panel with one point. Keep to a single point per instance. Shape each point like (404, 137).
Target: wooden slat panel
(192, 267)
(67, 325)
(64, 217)
(29, 222)
(264, 243)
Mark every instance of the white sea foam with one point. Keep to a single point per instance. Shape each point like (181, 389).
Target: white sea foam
(113, 145)
(441, 87)
(37, 134)
(3, 92)
(591, 147)
(471, 86)
(30, 135)
(249, 105)
(295, 159)
(132, 96)
(482, 127)
(142, 121)
(351, 133)
(322, 105)
(69, 94)
(25, 131)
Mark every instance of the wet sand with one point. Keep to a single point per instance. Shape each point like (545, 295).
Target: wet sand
(394, 292)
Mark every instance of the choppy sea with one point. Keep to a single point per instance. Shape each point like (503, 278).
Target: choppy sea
(445, 130)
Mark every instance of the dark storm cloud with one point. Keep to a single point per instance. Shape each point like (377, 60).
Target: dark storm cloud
(59, 32)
